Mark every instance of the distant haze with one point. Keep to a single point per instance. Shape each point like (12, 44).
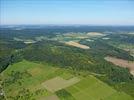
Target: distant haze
(87, 12)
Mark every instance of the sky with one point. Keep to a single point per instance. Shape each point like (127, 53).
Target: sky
(87, 12)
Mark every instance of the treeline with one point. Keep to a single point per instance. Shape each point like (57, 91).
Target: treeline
(64, 95)
(101, 48)
(9, 53)
(78, 59)
(5, 61)
(122, 38)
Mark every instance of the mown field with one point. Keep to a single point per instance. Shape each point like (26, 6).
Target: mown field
(25, 81)
(90, 88)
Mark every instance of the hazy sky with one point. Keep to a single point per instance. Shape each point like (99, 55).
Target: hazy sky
(91, 12)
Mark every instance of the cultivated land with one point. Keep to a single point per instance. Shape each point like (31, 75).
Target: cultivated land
(59, 83)
(76, 37)
(42, 81)
(52, 97)
(94, 34)
(31, 76)
(90, 88)
(127, 47)
(76, 44)
(122, 63)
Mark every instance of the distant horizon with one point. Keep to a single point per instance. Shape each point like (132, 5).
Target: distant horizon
(67, 12)
(60, 25)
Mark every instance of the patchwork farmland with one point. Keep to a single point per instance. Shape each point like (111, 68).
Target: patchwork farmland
(44, 82)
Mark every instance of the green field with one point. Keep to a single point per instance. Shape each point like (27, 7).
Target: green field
(90, 88)
(23, 81)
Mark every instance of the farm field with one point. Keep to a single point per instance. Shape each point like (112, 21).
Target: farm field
(52, 97)
(60, 83)
(121, 63)
(127, 47)
(90, 88)
(42, 81)
(75, 44)
(95, 34)
(29, 76)
(124, 46)
(76, 37)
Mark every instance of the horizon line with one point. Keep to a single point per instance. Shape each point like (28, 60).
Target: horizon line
(69, 24)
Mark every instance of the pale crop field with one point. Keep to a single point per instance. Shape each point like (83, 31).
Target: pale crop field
(59, 83)
(52, 97)
(76, 44)
(94, 34)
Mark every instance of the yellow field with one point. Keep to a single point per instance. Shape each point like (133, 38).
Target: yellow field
(76, 44)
